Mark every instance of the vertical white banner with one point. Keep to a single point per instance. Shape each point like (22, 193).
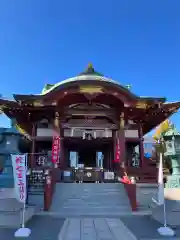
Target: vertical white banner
(19, 173)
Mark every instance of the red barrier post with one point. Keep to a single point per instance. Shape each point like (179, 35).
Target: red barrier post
(48, 190)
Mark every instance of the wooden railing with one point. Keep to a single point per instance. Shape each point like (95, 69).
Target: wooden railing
(130, 188)
(147, 174)
(131, 193)
(49, 186)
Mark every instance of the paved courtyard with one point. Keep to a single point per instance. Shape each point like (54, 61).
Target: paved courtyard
(95, 228)
(127, 228)
(145, 228)
(43, 228)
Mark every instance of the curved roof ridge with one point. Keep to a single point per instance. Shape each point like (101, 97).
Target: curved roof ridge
(81, 78)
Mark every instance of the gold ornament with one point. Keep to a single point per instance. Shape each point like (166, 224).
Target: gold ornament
(91, 89)
(142, 105)
(38, 104)
(122, 121)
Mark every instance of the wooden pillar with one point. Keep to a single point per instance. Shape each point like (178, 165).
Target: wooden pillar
(121, 135)
(48, 189)
(141, 145)
(62, 164)
(120, 167)
(56, 129)
(114, 135)
(33, 147)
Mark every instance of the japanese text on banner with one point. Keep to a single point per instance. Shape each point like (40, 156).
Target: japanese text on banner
(19, 172)
(55, 149)
(118, 152)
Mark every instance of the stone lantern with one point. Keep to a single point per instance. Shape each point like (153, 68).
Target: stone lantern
(171, 141)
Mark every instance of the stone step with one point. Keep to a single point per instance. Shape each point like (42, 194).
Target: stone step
(78, 212)
(100, 192)
(80, 196)
(14, 218)
(36, 200)
(89, 186)
(89, 199)
(93, 208)
(70, 214)
(10, 204)
(91, 202)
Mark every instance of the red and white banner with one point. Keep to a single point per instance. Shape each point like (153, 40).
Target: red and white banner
(19, 173)
(118, 151)
(56, 150)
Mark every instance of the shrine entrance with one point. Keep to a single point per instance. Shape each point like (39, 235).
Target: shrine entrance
(89, 154)
(87, 157)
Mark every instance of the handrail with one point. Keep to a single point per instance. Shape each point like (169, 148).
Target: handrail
(49, 189)
(130, 188)
(131, 192)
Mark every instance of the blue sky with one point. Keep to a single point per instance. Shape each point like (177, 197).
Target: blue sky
(134, 42)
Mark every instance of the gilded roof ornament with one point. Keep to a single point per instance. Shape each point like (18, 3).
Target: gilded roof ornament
(38, 103)
(91, 89)
(141, 104)
(90, 66)
(90, 71)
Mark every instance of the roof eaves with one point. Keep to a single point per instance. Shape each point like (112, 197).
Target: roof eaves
(19, 97)
(160, 99)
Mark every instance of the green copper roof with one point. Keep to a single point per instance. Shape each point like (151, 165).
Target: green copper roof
(47, 87)
(88, 74)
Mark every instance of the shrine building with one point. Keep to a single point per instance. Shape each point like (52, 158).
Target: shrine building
(89, 122)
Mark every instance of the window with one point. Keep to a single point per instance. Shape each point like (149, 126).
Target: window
(73, 158)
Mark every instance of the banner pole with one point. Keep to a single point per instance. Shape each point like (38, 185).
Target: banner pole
(165, 230)
(24, 205)
(165, 219)
(23, 231)
(23, 215)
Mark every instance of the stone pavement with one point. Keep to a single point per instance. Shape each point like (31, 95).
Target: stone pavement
(145, 228)
(43, 228)
(47, 227)
(95, 229)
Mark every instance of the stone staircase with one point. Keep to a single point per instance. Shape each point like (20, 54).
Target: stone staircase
(36, 197)
(11, 210)
(90, 199)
